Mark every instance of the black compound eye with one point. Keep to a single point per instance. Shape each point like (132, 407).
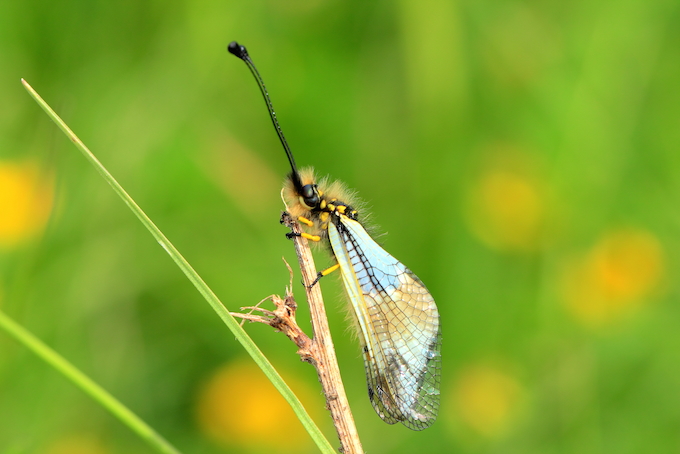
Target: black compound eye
(307, 191)
(310, 195)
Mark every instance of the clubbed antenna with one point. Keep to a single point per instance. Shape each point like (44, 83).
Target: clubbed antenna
(242, 53)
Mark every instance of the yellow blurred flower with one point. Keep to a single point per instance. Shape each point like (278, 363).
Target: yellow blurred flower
(506, 203)
(238, 406)
(487, 399)
(614, 278)
(25, 202)
(76, 444)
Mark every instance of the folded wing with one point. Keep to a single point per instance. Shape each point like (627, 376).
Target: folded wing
(399, 327)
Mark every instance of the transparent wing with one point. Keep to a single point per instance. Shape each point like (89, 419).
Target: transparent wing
(399, 327)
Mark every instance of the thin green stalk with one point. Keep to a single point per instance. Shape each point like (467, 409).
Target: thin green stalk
(195, 279)
(134, 422)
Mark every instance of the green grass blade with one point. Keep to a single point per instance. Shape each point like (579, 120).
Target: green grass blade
(195, 279)
(134, 422)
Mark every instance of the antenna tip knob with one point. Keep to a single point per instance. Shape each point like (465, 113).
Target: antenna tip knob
(240, 51)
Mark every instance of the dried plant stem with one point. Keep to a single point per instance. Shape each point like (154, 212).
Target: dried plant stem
(319, 350)
(323, 349)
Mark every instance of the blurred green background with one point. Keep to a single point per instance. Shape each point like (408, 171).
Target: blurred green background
(523, 156)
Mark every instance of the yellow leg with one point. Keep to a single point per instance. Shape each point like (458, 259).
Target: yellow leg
(310, 237)
(325, 272)
(305, 221)
(329, 270)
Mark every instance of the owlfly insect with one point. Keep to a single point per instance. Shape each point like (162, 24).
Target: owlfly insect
(397, 319)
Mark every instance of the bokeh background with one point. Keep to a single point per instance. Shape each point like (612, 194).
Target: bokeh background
(524, 157)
